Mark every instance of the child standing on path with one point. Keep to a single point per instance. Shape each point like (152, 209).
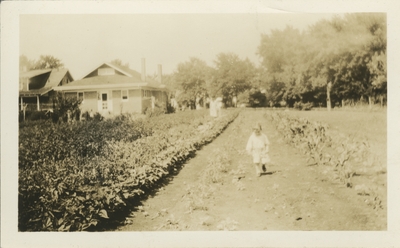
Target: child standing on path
(258, 146)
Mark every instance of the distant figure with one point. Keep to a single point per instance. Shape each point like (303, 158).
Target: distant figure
(258, 147)
(218, 105)
(69, 116)
(153, 102)
(174, 103)
(213, 108)
(234, 101)
(198, 106)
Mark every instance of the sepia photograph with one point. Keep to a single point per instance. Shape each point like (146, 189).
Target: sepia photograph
(199, 126)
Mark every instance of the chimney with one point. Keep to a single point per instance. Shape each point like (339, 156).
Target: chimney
(159, 67)
(143, 69)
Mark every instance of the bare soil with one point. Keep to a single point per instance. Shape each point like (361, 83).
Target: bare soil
(292, 195)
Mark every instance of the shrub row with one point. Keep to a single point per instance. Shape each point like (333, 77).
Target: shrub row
(44, 141)
(340, 152)
(79, 192)
(303, 106)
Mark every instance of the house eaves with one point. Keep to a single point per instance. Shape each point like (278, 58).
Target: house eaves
(33, 73)
(110, 65)
(106, 86)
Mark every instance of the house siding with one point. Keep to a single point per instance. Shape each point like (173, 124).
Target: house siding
(90, 101)
(134, 103)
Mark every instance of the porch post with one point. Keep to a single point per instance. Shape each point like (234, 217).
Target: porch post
(22, 104)
(38, 103)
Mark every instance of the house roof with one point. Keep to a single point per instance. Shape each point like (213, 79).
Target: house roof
(33, 73)
(130, 78)
(56, 76)
(109, 82)
(54, 80)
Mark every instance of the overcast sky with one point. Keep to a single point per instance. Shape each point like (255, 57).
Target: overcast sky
(85, 41)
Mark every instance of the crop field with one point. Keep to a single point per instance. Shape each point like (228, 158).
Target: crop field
(74, 177)
(188, 171)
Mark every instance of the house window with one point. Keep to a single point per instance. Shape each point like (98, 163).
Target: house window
(80, 97)
(146, 93)
(105, 71)
(124, 95)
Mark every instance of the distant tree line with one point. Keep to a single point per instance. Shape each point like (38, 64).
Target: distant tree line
(342, 60)
(338, 61)
(44, 62)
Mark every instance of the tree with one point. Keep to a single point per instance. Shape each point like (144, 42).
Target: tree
(47, 62)
(342, 58)
(233, 75)
(190, 78)
(119, 62)
(341, 51)
(63, 105)
(378, 69)
(25, 64)
(282, 54)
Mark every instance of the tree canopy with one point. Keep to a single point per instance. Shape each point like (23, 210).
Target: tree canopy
(47, 62)
(190, 78)
(347, 53)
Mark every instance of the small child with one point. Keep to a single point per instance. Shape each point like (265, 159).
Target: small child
(258, 147)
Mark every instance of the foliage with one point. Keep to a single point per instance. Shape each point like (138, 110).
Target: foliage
(47, 62)
(62, 106)
(347, 51)
(233, 75)
(303, 106)
(34, 115)
(119, 62)
(80, 191)
(257, 99)
(338, 151)
(191, 77)
(25, 64)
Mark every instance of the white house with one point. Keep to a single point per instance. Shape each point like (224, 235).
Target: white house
(112, 89)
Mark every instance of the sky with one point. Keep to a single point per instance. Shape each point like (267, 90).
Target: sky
(84, 41)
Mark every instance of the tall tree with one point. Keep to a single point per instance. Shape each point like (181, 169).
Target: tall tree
(233, 75)
(282, 52)
(47, 62)
(342, 58)
(190, 78)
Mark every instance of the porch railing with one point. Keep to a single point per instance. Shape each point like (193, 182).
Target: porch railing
(33, 106)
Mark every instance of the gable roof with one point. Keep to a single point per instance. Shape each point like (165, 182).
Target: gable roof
(122, 69)
(56, 75)
(130, 78)
(33, 73)
(136, 74)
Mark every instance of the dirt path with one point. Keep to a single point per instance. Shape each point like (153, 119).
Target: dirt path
(291, 196)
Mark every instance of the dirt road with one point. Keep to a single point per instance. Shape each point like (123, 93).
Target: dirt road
(292, 195)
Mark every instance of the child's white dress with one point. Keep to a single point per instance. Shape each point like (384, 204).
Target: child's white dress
(258, 146)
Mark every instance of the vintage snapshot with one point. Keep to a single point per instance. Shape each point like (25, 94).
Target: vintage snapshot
(173, 123)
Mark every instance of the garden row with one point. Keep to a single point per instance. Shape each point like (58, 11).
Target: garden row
(74, 190)
(341, 153)
(45, 142)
